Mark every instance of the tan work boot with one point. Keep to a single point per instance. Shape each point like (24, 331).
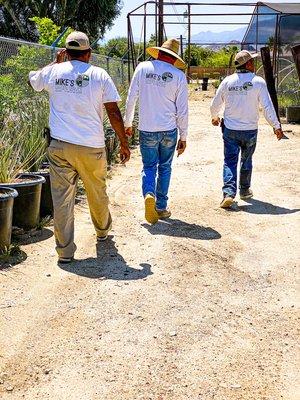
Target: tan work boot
(164, 214)
(151, 214)
(227, 202)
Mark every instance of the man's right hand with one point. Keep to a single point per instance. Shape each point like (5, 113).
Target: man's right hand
(124, 152)
(279, 133)
(181, 146)
(216, 121)
(60, 56)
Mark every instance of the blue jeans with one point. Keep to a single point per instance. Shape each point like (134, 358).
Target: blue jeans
(234, 142)
(157, 149)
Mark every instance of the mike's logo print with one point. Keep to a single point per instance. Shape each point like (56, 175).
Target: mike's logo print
(243, 89)
(157, 79)
(82, 80)
(71, 85)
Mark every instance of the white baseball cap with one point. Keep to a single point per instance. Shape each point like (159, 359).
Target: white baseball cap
(243, 56)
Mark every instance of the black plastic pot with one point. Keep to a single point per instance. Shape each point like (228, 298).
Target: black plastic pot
(293, 114)
(7, 196)
(46, 208)
(204, 83)
(26, 211)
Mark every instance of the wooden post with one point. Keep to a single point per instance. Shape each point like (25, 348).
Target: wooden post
(128, 47)
(181, 46)
(160, 22)
(189, 44)
(145, 32)
(269, 76)
(296, 56)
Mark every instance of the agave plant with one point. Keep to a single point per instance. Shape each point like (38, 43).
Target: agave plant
(22, 145)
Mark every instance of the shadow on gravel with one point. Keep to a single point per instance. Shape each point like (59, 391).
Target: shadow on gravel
(178, 228)
(15, 257)
(109, 264)
(261, 207)
(34, 236)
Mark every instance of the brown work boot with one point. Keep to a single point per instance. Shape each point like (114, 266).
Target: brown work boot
(246, 194)
(164, 214)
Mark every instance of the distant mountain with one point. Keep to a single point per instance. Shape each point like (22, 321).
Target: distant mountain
(219, 37)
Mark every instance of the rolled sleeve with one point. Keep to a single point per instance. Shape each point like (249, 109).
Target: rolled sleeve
(131, 100)
(218, 101)
(37, 80)
(110, 93)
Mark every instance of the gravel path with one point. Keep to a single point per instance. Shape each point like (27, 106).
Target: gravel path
(200, 307)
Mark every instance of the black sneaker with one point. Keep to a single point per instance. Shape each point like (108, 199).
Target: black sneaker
(246, 194)
(101, 238)
(65, 260)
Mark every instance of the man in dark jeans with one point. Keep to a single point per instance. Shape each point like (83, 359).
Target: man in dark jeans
(241, 93)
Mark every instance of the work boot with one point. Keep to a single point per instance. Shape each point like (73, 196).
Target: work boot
(227, 201)
(65, 260)
(246, 194)
(164, 214)
(151, 214)
(101, 238)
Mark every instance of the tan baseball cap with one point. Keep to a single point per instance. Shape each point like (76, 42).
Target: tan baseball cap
(78, 40)
(243, 56)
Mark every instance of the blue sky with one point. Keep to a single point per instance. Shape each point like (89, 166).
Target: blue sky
(120, 25)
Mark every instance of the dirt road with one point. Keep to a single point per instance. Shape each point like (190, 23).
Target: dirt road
(201, 307)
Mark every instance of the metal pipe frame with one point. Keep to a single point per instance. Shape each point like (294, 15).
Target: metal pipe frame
(136, 13)
(206, 23)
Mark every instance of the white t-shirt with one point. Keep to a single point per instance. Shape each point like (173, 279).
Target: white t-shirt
(241, 94)
(77, 93)
(162, 92)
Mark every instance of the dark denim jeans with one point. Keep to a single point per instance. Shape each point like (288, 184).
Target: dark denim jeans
(234, 142)
(157, 150)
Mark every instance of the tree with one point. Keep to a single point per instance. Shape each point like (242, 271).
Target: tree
(114, 47)
(199, 55)
(206, 57)
(48, 31)
(92, 17)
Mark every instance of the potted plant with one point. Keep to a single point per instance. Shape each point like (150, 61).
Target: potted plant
(15, 158)
(36, 117)
(7, 196)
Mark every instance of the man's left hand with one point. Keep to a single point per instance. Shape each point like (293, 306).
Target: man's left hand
(124, 152)
(279, 133)
(181, 146)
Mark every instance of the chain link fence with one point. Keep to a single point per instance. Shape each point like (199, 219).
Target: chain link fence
(17, 98)
(33, 56)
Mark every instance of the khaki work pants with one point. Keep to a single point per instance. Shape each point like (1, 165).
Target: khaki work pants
(68, 162)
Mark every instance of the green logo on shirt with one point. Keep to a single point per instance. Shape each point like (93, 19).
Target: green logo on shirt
(167, 77)
(82, 80)
(248, 86)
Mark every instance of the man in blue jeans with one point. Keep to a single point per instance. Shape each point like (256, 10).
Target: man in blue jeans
(161, 90)
(241, 93)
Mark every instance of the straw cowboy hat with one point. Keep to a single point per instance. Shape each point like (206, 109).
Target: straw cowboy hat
(171, 47)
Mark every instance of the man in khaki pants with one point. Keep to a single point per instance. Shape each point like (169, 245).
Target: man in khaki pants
(78, 91)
